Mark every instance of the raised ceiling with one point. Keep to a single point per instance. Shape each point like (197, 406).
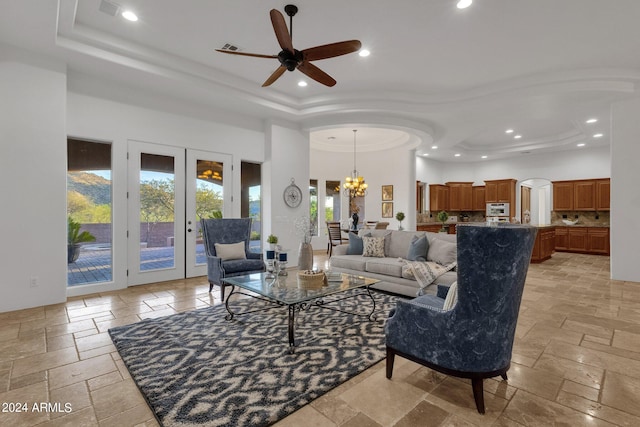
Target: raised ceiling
(436, 76)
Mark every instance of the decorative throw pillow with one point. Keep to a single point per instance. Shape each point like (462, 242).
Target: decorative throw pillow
(418, 249)
(373, 247)
(355, 244)
(228, 251)
(442, 252)
(452, 297)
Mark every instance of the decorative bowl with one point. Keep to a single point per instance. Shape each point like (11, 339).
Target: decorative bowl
(569, 222)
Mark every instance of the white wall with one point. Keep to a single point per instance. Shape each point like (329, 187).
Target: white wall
(390, 167)
(287, 154)
(33, 176)
(625, 196)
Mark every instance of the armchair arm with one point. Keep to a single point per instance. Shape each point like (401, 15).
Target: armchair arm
(253, 255)
(215, 271)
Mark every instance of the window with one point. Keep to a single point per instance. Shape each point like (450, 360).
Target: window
(251, 203)
(89, 212)
(332, 201)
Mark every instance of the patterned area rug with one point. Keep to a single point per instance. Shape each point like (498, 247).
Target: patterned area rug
(196, 368)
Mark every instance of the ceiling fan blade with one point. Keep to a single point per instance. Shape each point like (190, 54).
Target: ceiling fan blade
(331, 50)
(280, 28)
(256, 55)
(316, 74)
(275, 76)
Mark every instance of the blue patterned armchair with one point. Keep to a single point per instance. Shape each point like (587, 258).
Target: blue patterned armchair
(474, 338)
(227, 231)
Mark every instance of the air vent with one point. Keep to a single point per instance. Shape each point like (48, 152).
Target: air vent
(228, 46)
(109, 8)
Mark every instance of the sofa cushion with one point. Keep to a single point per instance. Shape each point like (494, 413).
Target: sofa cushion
(418, 248)
(398, 242)
(373, 247)
(355, 244)
(442, 252)
(242, 266)
(350, 262)
(387, 266)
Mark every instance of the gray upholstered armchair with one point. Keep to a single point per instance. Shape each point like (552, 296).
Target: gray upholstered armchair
(227, 231)
(474, 338)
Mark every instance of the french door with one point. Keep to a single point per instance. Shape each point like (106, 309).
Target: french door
(169, 190)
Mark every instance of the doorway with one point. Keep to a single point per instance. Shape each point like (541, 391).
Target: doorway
(169, 190)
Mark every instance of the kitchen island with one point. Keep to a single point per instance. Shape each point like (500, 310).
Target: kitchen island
(545, 244)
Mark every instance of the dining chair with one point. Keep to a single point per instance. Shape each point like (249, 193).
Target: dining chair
(334, 232)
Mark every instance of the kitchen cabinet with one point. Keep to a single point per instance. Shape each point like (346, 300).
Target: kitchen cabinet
(436, 227)
(545, 244)
(478, 198)
(584, 195)
(562, 239)
(502, 191)
(587, 240)
(581, 195)
(562, 195)
(438, 198)
(598, 240)
(460, 196)
(603, 194)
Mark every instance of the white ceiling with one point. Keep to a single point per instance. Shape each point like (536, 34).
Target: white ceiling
(456, 79)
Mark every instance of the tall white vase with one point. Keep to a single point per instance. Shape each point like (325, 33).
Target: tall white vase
(305, 256)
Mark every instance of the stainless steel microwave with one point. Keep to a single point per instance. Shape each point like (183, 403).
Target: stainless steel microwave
(498, 209)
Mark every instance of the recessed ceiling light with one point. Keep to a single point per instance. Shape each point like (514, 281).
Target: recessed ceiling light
(484, 157)
(598, 135)
(591, 121)
(457, 155)
(582, 144)
(434, 147)
(302, 83)
(508, 131)
(129, 16)
(331, 137)
(463, 4)
(517, 137)
(364, 53)
(425, 154)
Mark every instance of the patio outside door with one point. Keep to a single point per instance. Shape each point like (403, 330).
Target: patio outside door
(169, 190)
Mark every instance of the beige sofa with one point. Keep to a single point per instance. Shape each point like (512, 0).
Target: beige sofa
(388, 269)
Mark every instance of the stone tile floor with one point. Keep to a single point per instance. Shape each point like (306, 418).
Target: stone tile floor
(576, 361)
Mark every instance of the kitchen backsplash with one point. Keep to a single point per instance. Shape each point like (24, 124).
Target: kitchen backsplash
(583, 217)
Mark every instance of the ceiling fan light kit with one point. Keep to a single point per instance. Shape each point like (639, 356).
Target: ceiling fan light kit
(291, 59)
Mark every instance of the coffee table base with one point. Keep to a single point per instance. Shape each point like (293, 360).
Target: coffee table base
(296, 307)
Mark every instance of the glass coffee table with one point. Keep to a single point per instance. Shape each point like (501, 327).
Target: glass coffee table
(284, 291)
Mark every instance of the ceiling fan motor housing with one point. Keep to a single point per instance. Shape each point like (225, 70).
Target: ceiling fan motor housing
(290, 60)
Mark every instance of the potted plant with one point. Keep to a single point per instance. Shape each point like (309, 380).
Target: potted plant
(74, 238)
(443, 216)
(272, 240)
(400, 217)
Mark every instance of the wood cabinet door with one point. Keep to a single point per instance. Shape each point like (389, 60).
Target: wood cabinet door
(491, 192)
(438, 198)
(584, 195)
(454, 197)
(578, 239)
(504, 192)
(563, 196)
(466, 197)
(598, 240)
(478, 199)
(603, 194)
(562, 238)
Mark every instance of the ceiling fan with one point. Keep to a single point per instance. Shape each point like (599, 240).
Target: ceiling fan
(291, 59)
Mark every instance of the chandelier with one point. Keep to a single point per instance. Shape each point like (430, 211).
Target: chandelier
(354, 185)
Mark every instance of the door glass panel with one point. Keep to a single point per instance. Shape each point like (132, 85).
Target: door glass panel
(209, 199)
(313, 205)
(251, 203)
(89, 190)
(157, 210)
